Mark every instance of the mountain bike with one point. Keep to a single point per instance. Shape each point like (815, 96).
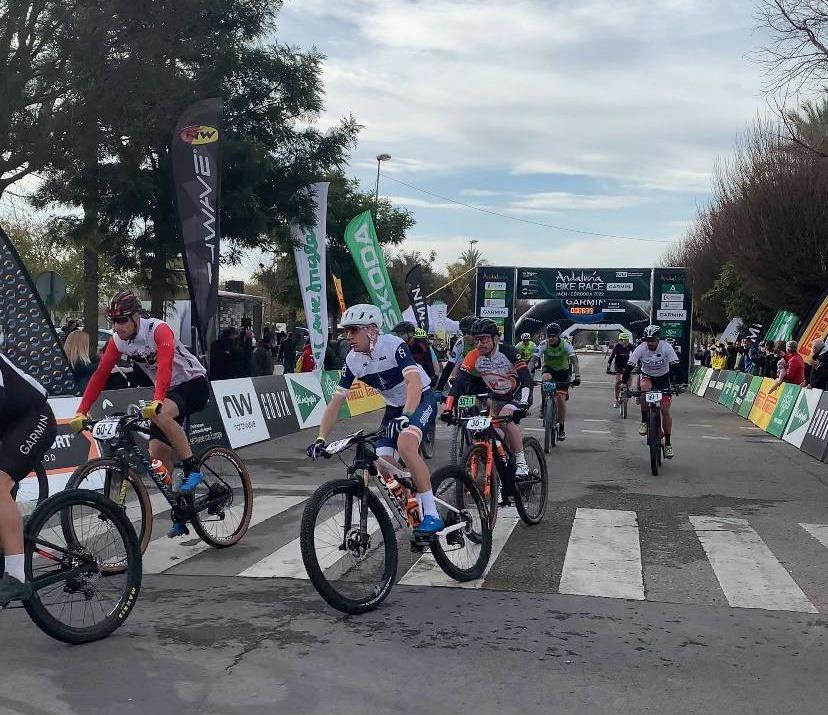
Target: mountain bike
(219, 508)
(32, 491)
(349, 541)
(549, 411)
(466, 406)
(623, 399)
(69, 540)
(655, 437)
(490, 464)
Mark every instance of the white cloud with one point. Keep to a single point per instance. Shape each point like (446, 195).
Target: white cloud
(559, 200)
(410, 203)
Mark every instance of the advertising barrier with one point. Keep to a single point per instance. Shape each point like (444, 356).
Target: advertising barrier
(760, 413)
(277, 405)
(787, 396)
(803, 413)
(714, 387)
(739, 394)
(329, 380)
(750, 397)
(363, 398)
(307, 397)
(815, 441)
(729, 390)
(704, 381)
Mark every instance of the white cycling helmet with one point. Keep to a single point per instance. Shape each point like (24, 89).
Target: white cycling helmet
(361, 314)
(652, 331)
(525, 336)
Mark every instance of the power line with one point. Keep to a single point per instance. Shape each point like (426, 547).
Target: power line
(524, 220)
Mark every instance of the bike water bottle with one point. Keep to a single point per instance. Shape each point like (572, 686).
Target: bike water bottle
(159, 468)
(412, 509)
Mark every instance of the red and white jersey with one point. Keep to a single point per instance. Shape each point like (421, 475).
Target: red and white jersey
(156, 351)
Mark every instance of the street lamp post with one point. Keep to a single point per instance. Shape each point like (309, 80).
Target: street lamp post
(380, 158)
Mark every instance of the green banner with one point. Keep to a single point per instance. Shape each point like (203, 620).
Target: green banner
(361, 240)
(729, 389)
(329, 379)
(750, 396)
(740, 389)
(695, 379)
(783, 326)
(788, 395)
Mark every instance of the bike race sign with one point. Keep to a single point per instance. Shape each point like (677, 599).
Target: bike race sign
(672, 309)
(495, 298)
(307, 397)
(240, 411)
(596, 284)
(803, 413)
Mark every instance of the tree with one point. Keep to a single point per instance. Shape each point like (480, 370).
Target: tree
(459, 296)
(729, 291)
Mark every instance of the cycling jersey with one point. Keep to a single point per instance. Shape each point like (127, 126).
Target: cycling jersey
(621, 354)
(384, 370)
(460, 350)
(504, 372)
(654, 363)
(155, 350)
(554, 357)
(423, 356)
(526, 350)
(20, 393)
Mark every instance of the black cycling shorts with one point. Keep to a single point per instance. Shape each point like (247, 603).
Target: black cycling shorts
(658, 383)
(190, 397)
(26, 441)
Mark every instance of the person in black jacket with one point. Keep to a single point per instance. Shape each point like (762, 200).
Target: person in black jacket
(226, 356)
(287, 353)
(261, 362)
(817, 371)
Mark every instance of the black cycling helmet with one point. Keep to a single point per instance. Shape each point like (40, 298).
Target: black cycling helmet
(467, 323)
(123, 303)
(485, 326)
(553, 329)
(404, 327)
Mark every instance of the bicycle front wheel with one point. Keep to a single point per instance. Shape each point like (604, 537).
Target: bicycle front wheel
(475, 464)
(531, 492)
(351, 568)
(31, 492)
(463, 553)
(74, 599)
(550, 417)
(223, 502)
(654, 439)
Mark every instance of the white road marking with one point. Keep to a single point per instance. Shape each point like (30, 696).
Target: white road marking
(164, 553)
(426, 572)
(590, 420)
(534, 429)
(691, 424)
(748, 572)
(596, 431)
(752, 429)
(708, 436)
(818, 531)
(603, 557)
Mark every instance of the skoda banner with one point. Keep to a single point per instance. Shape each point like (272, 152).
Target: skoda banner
(196, 166)
(361, 240)
(309, 251)
(29, 338)
(783, 326)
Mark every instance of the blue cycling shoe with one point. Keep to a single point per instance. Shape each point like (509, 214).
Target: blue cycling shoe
(191, 482)
(430, 526)
(179, 528)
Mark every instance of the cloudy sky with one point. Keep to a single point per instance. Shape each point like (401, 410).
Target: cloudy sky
(597, 115)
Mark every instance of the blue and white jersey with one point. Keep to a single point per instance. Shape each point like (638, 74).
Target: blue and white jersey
(384, 370)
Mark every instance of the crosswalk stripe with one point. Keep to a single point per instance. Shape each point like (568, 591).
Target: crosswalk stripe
(818, 531)
(164, 553)
(286, 562)
(426, 572)
(749, 574)
(603, 557)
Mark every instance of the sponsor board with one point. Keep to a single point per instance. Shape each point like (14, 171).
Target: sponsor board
(728, 388)
(707, 375)
(276, 405)
(362, 399)
(760, 411)
(329, 380)
(597, 283)
(662, 314)
(788, 395)
(494, 303)
(206, 427)
(490, 312)
(817, 327)
(815, 441)
(750, 396)
(714, 386)
(307, 397)
(743, 381)
(495, 285)
(672, 298)
(801, 416)
(240, 411)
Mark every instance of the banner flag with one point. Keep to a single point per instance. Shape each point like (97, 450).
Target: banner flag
(816, 327)
(361, 240)
(416, 296)
(196, 167)
(309, 250)
(29, 338)
(337, 283)
(783, 326)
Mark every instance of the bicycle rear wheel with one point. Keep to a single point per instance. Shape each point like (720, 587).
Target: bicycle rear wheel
(74, 600)
(531, 492)
(623, 407)
(109, 478)
(223, 502)
(31, 492)
(463, 553)
(654, 439)
(353, 570)
(474, 463)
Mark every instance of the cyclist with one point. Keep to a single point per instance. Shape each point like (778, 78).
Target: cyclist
(385, 363)
(508, 380)
(559, 363)
(462, 347)
(620, 355)
(526, 347)
(417, 341)
(27, 429)
(659, 364)
(181, 386)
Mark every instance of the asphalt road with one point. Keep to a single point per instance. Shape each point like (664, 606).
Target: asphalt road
(668, 565)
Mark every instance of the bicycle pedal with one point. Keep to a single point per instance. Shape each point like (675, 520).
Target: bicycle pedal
(417, 547)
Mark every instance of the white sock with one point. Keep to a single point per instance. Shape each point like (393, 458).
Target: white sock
(14, 567)
(427, 503)
(520, 457)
